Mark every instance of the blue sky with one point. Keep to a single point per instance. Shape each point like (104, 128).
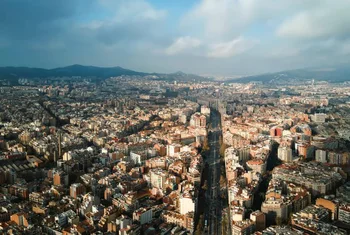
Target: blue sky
(216, 37)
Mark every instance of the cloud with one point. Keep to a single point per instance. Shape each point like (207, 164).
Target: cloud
(41, 21)
(345, 48)
(283, 52)
(195, 47)
(249, 36)
(231, 48)
(324, 20)
(183, 44)
(139, 10)
(80, 31)
(136, 10)
(130, 21)
(211, 18)
(226, 19)
(33, 20)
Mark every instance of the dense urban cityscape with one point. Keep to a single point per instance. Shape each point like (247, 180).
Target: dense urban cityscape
(174, 117)
(139, 155)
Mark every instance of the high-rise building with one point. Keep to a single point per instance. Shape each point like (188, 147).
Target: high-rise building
(158, 178)
(245, 227)
(183, 118)
(285, 154)
(144, 215)
(330, 205)
(276, 131)
(302, 148)
(20, 219)
(319, 117)
(335, 158)
(59, 146)
(123, 221)
(321, 155)
(135, 158)
(259, 218)
(11, 176)
(2, 177)
(60, 178)
(344, 213)
(172, 149)
(76, 189)
(205, 110)
(237, 154)
(198, 120)
(187, 203)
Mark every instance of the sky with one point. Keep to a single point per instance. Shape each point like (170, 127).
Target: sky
(213, 37)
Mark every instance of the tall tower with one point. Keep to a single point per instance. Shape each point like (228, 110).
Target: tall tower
(55, 156)
(59, 145)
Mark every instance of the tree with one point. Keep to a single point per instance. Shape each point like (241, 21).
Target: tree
(205, 185)
(262, 195)
(223, 147)
(279, 221)
(205, 144)
(199, 227)
(224, 226)
(310, 154)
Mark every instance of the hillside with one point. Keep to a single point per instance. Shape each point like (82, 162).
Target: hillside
(339, 74)
(13, 73)
(69, 71)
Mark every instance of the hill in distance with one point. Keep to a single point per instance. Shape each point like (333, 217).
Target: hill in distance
(335, 75)
(13, 73)
(69, 71)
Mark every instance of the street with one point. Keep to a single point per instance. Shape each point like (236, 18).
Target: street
(213, 211)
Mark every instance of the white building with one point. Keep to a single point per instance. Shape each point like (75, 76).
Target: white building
(158, 178)
(321, 155)
(237, 155)
(67, 217)
(237, 213)
(135, 158)
(205, 110)
(123, 221)
(67, 156)
(172, 149)
(198, 120)
(183, 118)
(187, 204)
(319, 117)
(285, 154)
(250, 109)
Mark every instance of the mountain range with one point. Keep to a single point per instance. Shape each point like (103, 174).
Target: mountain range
(13, 73)
(69, 71)
(336, 74)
